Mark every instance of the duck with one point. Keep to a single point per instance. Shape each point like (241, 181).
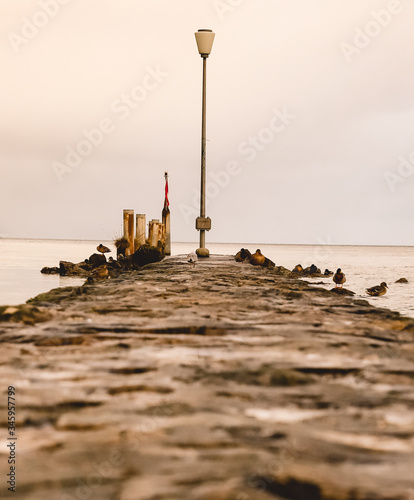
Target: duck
(242, 255)
(339, 278)
(378, 290)
(103, 249)
(313, 269)
(257, 259)
(100, 272)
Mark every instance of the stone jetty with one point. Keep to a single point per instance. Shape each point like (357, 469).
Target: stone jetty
(214, 381)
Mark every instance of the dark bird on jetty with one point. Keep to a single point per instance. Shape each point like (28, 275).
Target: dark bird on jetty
(257, 259)
(103, 249)
(378, 290)
(313, 269)
(298, 269)
(339, 278)
(100, 272)
(242, 255)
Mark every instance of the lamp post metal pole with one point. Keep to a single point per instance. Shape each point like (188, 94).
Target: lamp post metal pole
(204, 39)
(203, 156)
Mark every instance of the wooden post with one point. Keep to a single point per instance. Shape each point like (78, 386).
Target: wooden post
(150, 231)
(167, 230)
(129, 230)
(153, 232)
(166, 219)
(161, 233)
(139, 231)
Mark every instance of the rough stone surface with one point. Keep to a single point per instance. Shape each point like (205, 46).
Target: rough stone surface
(96, 260)
(219, 381)
(90, 268)
(146, 254)
(50, 270)
(343, 291)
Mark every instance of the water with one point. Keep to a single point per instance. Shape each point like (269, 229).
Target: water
(22, 260)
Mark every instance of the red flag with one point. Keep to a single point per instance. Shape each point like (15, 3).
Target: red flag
(166, 201)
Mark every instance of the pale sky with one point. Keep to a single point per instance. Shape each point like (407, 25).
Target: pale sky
(310, 111)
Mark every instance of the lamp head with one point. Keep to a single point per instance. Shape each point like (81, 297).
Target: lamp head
(204, 39)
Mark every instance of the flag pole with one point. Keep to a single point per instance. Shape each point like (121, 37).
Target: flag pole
(166, 218)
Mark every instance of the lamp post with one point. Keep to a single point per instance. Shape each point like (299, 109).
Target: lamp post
(204, 39)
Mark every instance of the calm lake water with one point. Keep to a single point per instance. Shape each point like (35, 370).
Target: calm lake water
(21, 262)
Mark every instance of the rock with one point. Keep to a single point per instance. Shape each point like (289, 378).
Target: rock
(96, 260)
(327, 272)
(298, 269)
(57, 295)
(50, 270)
(147, 254)
(27, 314)
(71, 269)
(81, 270)
(264, 375)
(402, 280)
(219, 382)
(85, 265)
(65, 268)
(343, 291)
(282, 271)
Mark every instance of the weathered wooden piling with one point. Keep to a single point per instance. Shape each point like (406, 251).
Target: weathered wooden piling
(140, 236)
(129, 230)
(167, 231)
(154, 232)
(166, 219)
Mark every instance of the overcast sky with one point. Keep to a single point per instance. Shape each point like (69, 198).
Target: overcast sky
(310, 111)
